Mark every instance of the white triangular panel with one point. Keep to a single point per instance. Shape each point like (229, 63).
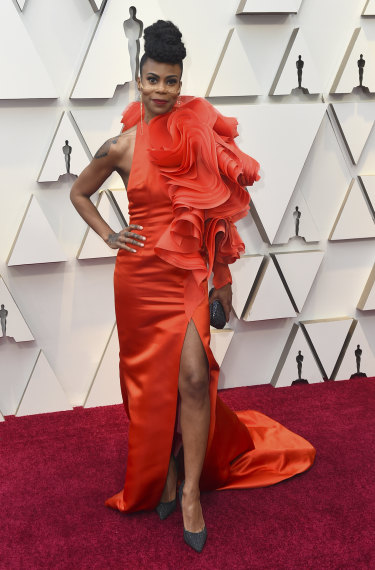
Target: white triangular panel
(328, 336)
(93, 246)
(95, 129)
(43, 392)
(54, 164)
(369, 8)
(367, 300)
(269, 6)
(234, 75)
(35, 241)
(220, 341)
(366, 165)
(105, 389)
(349, 365)
(244, 272)
(324, 179)
(21, 3)
(113, 182)
(354, 219)
(2, 417)
(348, 75)
(356, 121)
(23, 75)
(307, 229)
(15, 325)
(287, 73)
(17, 360)
(370, 302)
(299, 270)
(109, 44)
(369, 184)
(287, 371)
(262, 131)
(120, 204)
(270, 300)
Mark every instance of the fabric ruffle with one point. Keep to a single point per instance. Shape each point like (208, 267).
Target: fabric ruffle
(194, 149)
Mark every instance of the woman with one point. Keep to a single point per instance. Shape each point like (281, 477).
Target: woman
(185, 180)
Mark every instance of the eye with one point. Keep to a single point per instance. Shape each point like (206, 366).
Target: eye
(151, 80)
(172, 81)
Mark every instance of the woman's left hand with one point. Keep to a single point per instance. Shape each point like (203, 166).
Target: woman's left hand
(224, 295)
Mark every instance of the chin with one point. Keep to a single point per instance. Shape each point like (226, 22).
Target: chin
(162, 112)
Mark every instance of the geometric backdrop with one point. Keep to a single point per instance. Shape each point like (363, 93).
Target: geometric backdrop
(303, 293)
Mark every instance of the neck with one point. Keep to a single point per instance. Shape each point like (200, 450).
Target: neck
(148, 116)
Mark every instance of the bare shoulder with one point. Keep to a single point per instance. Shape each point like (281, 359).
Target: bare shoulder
(117, 146)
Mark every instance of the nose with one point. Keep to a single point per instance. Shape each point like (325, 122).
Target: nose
(161, 88)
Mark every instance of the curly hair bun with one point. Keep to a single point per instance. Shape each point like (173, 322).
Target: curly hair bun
(163, 42)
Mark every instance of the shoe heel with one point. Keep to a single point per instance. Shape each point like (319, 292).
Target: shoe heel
(180, 491)
(166, 509)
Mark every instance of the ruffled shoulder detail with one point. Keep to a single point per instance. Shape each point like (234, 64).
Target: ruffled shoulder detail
(206, 174)
(131, 116)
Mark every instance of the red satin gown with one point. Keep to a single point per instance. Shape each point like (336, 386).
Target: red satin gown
(183, 189)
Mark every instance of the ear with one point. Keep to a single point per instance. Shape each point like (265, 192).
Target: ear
(139, 84)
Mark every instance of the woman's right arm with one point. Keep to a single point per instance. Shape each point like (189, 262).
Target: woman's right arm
(106, 161)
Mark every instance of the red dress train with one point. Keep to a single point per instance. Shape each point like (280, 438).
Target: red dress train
(184, 190)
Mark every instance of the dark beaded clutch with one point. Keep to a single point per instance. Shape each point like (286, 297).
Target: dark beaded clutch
(217, 314)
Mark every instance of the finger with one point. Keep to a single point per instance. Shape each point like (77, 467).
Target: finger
(134, 241)
(127, 248)
(227, 311)
(124, 239)
(134, 227)
(126, 233)
(137, 236)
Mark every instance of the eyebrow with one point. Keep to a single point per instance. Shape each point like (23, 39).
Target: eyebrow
(158, 76)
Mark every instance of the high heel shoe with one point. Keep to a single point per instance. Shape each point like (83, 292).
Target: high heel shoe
(166, 509)
(195, 540)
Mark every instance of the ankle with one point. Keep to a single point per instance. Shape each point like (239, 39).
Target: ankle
(169, 491)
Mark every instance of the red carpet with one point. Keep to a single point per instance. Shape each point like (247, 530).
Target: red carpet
(58, 469)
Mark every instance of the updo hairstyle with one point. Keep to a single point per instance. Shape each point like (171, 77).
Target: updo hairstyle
(163, 44)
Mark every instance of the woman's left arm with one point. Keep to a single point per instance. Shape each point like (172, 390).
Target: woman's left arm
(222, 282)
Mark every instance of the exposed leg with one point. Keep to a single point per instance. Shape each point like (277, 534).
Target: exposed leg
(169, 491)
(195, 420)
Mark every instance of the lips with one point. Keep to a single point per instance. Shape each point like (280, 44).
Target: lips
(159, 101)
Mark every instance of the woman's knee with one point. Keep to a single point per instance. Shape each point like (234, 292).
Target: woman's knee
(193, 384)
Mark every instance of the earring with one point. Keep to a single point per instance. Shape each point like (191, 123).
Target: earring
(141, 114)
(178, 100)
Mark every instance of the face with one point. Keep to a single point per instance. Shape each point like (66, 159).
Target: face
(160, 85)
